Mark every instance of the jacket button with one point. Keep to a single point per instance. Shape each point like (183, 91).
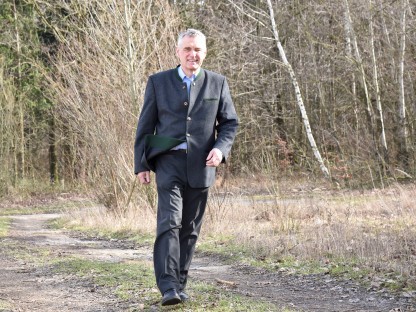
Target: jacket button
(185, 103)
(189, 118)
(188, 135)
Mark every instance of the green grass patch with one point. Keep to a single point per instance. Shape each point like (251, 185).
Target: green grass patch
(207, 297)
(29, 210)
(142, 239)
(5, 306)
(135, 281)
(126, 278)
(4, 226)
(30, 254)
(225, 248)
(229, 250)
(39, 209)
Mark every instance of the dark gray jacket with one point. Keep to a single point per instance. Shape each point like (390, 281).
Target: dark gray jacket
(206, 120)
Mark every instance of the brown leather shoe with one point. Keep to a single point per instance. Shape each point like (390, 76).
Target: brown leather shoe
(170, 297)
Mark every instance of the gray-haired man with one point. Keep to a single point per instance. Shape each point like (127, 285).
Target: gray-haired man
(185, 130)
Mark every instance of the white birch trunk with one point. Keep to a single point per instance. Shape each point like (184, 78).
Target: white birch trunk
(376, 85)
(130, 52)
(297, 92)
(404, 149)
(360, 63)
(19, 101)
(348, 48)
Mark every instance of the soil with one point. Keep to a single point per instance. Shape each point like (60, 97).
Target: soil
(29, 287)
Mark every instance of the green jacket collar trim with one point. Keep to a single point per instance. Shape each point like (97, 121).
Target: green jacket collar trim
(179, 77)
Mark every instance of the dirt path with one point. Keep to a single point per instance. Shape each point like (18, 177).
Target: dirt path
(27, 287)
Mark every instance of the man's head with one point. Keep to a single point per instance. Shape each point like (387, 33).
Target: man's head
(191, 50)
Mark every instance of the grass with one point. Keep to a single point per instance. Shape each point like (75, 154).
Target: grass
(5, 306)
(364, 235)
(134, 281)
(374, 230)
(303, 229)
(103, 232)
(4, 226)
(43, 203)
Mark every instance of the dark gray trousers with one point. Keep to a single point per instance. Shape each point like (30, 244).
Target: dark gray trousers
(179, 219)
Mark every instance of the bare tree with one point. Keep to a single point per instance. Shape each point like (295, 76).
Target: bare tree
(403, 132)
(20, 156)
(381, 128)
(8, 128)
(299, 99)
(103, 68)
(360, 64)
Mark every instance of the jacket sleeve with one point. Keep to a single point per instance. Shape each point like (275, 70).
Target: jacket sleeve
(227, 122)
(146, 125)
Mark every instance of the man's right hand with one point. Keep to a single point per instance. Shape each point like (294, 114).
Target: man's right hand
(144, 177)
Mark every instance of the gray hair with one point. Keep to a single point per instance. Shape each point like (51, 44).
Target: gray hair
(191, 33)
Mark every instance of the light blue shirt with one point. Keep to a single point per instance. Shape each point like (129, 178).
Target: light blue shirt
(186, 79)
(188, 82)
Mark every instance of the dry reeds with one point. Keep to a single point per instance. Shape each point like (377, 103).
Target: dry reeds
(375, 228)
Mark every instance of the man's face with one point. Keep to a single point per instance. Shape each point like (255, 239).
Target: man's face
(191, 53)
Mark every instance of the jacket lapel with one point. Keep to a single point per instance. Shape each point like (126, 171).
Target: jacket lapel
(196, 87)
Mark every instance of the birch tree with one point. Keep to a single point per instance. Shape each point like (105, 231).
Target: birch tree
(299, 99)
(381, 129)
(360, 64)
(403, 132)
(20, 151)
(348, 50)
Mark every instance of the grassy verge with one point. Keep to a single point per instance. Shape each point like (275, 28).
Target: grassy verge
(5, 306)
(4, 226)
(43, 203)
(368, 236)
(230, 251)
(133, 282)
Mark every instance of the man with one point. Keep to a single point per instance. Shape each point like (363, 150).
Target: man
(185, 130)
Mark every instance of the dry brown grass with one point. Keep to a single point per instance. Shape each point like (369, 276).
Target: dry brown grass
(373, 229)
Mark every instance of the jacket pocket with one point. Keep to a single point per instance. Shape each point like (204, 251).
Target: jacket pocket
(210, 100)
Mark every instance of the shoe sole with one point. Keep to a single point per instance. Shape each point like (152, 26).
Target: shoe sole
(171, 301)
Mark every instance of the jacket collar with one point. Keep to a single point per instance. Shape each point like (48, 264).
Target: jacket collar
(196, 77)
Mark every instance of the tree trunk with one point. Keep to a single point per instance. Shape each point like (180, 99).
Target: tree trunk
(53, 159)
(348, 48)
(403, 136)
(130, 52)
(20, 150)
(359, 60)
(298, 94)
(380, 128)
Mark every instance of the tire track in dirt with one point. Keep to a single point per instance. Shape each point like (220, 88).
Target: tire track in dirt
(30, 288)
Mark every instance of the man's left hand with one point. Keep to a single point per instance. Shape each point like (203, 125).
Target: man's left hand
(214, 158)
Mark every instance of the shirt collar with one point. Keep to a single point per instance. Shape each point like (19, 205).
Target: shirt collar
(182, 74)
